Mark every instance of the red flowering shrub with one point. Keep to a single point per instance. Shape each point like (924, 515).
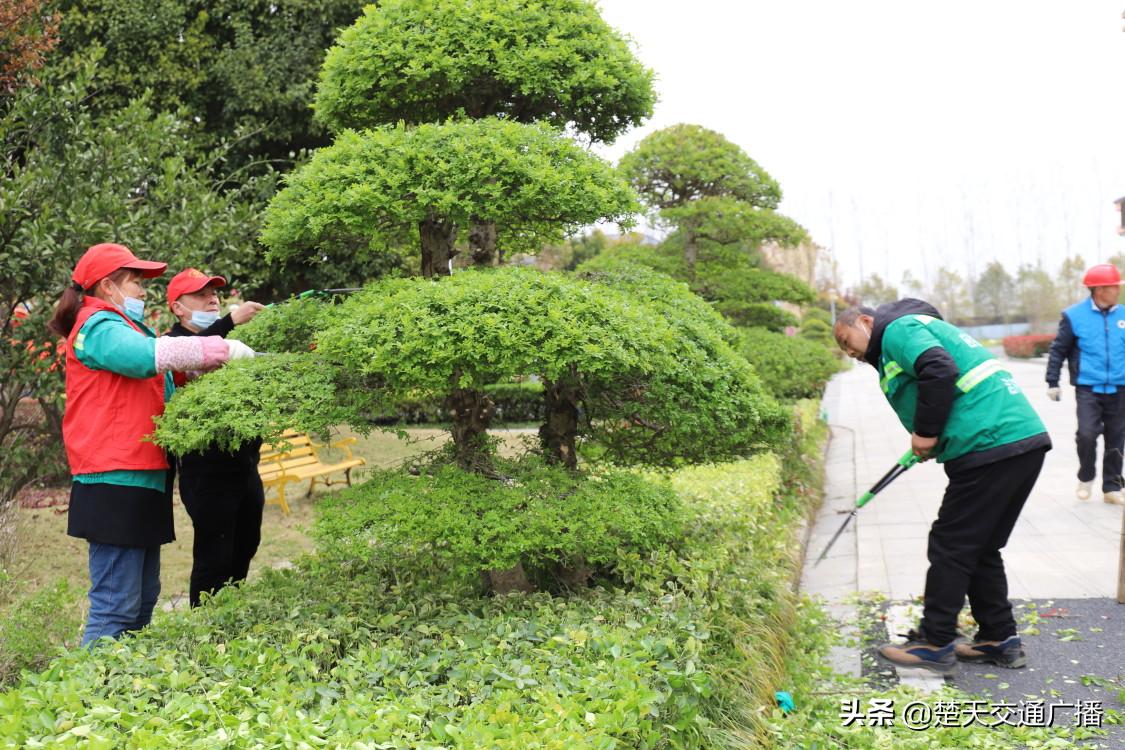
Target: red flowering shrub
(1025, 347)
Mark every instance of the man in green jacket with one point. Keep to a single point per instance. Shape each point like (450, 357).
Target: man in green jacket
(962, 408)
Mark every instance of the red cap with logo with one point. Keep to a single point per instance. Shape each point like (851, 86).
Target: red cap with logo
(102, 260)
(190, 281)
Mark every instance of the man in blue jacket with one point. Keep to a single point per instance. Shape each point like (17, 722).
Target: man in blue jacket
(1091, 338)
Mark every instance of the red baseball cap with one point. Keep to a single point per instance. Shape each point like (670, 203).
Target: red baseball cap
(102, 260)
(190, 281)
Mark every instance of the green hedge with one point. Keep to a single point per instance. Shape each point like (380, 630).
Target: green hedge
(464, 523)
(790, 366)
(683, 650)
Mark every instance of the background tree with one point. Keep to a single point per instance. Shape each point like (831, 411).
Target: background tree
(911, 286)
(27, 33)
(873, 291)
(950, 295)
(421, 61)
(1070, 285)
(1038, 298)
(370, 188)
(239, 66)
(994, 295)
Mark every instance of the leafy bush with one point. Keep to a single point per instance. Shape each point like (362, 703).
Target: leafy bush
(815, 329)
(33, 626)
(1025, 347)
(791, 367)
(260, 398)
(335, 653)
(756, 315)
(816, 313)
(286, 327)
(464, 522)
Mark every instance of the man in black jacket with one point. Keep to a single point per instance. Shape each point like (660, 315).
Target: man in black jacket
(222, 492)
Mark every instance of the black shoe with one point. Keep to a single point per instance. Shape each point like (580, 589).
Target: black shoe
(1006, 653)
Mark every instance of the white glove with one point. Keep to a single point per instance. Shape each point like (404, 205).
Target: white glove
(239, 350)
(1054, 394)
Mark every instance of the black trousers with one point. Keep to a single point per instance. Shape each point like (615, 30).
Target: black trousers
(226, 513)
(977, 514)
(1100, 414)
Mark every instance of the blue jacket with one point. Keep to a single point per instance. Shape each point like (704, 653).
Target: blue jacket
(1093, 343)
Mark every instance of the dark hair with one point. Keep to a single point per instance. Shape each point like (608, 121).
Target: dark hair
(66, 311)
(851, 315)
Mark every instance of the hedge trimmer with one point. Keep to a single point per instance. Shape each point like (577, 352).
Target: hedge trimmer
(320, 293)
(908, 459)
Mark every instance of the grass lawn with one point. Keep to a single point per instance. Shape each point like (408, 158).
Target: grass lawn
(44, 552)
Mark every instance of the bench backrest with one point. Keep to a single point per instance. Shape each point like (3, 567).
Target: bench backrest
(274, 460)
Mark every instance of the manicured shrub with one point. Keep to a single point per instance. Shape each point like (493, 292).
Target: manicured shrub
(463, 522)
(790, 366)
(1025, 347)
(261, 398)
(815, 329)
(289, 326)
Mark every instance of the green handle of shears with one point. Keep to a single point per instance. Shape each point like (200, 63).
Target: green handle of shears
(908, 459)
(864, 499)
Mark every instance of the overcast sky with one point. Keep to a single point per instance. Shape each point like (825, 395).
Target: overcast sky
(908, 134)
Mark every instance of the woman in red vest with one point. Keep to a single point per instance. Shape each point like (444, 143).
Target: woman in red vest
(118, 376)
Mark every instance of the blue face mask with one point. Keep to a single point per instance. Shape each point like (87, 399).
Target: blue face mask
(133, 307)
(203, 319)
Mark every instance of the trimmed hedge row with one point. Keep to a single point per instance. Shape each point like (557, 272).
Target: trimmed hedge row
(681, 648)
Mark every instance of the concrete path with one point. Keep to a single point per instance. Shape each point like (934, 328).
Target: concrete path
(1062, 548)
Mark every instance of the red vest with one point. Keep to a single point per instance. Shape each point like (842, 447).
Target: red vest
(107, 414)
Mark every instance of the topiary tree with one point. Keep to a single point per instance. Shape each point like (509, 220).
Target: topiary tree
(649, 365)
(656, 379)
(419, 61)
(743, 292)
(369, 188)
(709, 189)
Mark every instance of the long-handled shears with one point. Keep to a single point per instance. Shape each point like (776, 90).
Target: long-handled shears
(908, 459)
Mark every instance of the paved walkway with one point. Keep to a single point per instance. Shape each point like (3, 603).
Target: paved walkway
(1062, 548)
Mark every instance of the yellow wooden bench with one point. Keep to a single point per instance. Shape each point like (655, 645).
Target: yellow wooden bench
(299, 461)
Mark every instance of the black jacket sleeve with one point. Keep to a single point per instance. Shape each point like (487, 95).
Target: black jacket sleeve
(937, 378)
(1061, 348)
(221, 327)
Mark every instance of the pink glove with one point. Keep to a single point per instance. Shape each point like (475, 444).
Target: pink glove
(190, 353)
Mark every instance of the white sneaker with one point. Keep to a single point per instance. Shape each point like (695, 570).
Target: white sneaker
(1114, 497)
(1083, 491)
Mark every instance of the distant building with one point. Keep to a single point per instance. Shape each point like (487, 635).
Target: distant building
(1120, 203)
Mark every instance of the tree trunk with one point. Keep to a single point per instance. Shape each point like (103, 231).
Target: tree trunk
(482, 243)
(438, 236)
(559, 432)
(471, 412)
(509, 581)
(691, 251)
